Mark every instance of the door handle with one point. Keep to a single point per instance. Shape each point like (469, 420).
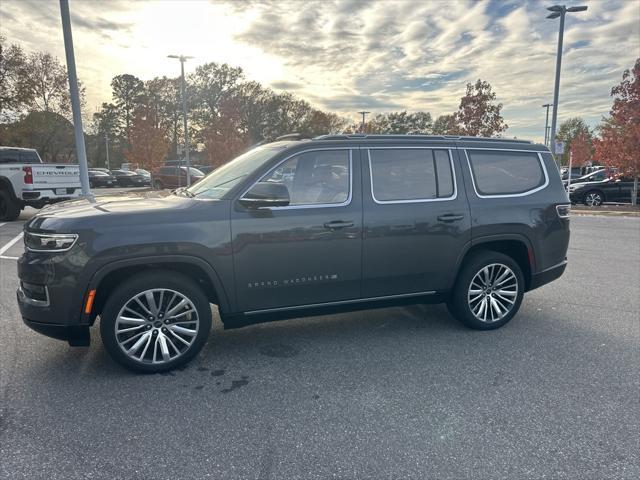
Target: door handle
(338, 224)
(450, 217)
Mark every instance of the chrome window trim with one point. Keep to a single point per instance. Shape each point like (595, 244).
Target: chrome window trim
(453, 196)
(54, 235)
(311, 205)
(508, 195)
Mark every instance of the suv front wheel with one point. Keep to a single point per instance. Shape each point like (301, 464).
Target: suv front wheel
(488, 291)
(155, 321)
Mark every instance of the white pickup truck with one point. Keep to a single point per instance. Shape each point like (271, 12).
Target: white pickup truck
(26, 181)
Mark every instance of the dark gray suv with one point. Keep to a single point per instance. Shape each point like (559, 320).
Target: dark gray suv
(298, 228)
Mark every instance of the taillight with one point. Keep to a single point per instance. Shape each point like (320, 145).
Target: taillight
(28, 175)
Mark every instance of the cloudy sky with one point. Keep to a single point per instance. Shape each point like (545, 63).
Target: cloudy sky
(348, 55)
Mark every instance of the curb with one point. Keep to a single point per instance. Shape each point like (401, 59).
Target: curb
(605, 213)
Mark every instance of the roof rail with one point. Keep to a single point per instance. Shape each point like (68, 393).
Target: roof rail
(352, 136)
(292, 136)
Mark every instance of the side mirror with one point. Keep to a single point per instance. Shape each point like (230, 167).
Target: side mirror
(266, 194)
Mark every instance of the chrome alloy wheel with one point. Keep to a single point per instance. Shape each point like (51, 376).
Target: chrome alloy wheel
(156, 326)
(492, 292)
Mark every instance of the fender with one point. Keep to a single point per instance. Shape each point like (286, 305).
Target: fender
(495, 238)
(103, 271)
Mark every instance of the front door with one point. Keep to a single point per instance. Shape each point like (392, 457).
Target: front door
(310, 251)
(416, 219)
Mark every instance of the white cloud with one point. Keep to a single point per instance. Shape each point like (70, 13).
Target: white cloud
(349, 54)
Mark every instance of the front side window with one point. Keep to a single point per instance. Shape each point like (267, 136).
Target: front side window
(410, 174)
(505, 172)
(315, 178)
(223, 179)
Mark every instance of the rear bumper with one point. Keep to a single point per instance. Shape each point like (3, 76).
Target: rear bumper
(548, 275)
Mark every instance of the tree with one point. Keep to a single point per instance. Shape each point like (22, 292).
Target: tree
(163, 97)
(49, 133)
(48, 84)
(477, 114)
(106, 126)
(223, 139)
(208, 86)
(581, 150)
(14, 94)
(568, 131)
(128, 93)
(619, 142)
(148, 142)
(446, 125)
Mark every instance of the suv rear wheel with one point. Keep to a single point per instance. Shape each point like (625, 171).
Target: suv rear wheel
(155, 321)
(488, 291)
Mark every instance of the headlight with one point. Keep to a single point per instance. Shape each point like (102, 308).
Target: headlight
(49, 242)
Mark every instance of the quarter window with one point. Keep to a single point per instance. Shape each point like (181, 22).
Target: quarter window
(315, 178)
(504, 172)
(410, 174)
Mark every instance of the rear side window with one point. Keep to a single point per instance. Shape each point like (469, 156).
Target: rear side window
(8, 156)
(29, 157)
(410, 174)
(504, 172)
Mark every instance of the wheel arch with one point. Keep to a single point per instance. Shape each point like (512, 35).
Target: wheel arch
(108, 276)
(6, 185)
(515, 246)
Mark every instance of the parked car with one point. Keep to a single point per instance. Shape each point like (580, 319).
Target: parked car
(126, 178)
(174, 177)
(26, 181)
(206, 169)
(596, 176)
(98, 178)
(594, 194)
(145, 174)
(365, 221)
(99, 169)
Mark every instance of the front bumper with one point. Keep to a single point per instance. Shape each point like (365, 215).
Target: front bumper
(58, 314)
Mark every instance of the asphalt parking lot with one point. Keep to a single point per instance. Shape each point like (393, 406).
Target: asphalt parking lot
(387, 394)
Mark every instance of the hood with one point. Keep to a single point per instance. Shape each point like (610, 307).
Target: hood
(133, 209)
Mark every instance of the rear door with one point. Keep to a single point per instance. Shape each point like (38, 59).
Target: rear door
(416, 219)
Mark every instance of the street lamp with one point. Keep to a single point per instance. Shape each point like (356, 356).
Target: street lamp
(546, 123)
(184, 58)
(363, 115)
(559, 11)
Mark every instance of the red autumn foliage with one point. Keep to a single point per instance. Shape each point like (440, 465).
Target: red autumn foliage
(619, 143)
(223, 138)
(580, 150)
(149, 144)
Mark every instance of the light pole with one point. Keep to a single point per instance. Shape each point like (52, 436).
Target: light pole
(81, 151)
(106, 142)
(559, 11)
(184, 58)
(546, 123)
(363, 115)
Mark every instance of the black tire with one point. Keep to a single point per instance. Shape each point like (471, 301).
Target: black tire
(157, 184)
(156, 279)
(9, 208)
(593, 198)
(460, 305)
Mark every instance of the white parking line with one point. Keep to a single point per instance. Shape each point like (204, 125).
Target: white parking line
(8, 245)
(3, 224)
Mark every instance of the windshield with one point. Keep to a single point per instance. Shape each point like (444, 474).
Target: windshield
(223, 179)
